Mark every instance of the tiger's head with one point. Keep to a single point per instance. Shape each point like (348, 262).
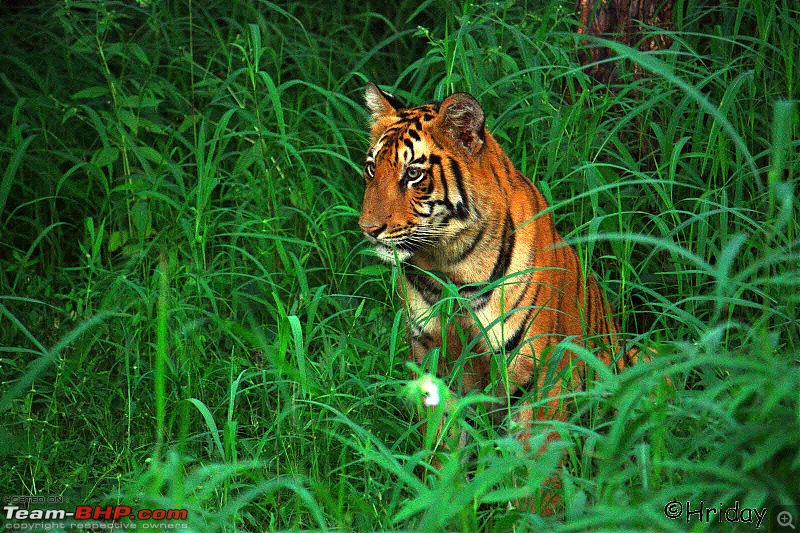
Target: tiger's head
(418, 173)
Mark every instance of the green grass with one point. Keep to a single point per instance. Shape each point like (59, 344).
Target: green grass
(189, 317)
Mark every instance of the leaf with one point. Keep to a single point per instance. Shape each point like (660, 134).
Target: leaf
(91, 92)
(117, 240)
(138, 53)
(128, 119)
(105, 156)
(373, 270)
(210, 424)
(11, 170)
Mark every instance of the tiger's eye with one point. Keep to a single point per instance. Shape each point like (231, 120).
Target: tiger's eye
(413, 174)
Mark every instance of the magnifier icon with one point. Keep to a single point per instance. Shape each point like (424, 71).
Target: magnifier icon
(785, 519)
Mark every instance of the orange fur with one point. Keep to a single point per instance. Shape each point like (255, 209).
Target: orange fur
(441, 195)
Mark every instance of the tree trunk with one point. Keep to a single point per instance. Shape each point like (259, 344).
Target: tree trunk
(623, 21)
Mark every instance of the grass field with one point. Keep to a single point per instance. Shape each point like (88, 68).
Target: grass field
(190, 319)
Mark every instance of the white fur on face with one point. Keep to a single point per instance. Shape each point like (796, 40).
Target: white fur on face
(391, 256)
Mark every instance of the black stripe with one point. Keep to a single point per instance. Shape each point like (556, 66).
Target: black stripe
(471, 246)
(508, 241)
(413, 134)
(516, 338)
(422, 337)
(389, 133)
(410, 147)
(534, 301)
(458, 211)
(504, 253)
(469, 290)
(506, 165)
(421, 214)
(436, 202)
(462, 207)
(521, 296)
(410, 117)
(529, 281)
(496, 177)
(436, 161)
(425, 286)
(445, 191)
(517, 395)
(393, 100)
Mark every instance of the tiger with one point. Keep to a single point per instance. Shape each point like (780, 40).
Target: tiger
(441, 196)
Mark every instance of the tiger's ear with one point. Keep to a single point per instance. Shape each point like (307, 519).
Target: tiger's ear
(381, 103)
(463, 119)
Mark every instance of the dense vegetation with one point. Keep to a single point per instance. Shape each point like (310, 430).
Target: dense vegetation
(189, 317)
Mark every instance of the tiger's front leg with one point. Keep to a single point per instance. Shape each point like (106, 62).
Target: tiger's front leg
(429, 352)
(550, 372)
(440, 349)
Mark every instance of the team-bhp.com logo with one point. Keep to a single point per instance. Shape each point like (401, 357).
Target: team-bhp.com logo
(18, 518)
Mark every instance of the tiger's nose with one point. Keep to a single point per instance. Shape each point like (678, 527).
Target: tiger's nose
(372, 231)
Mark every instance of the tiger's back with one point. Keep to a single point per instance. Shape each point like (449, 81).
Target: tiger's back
(441, 195)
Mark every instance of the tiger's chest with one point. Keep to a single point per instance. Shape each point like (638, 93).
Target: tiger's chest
(491, 315)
